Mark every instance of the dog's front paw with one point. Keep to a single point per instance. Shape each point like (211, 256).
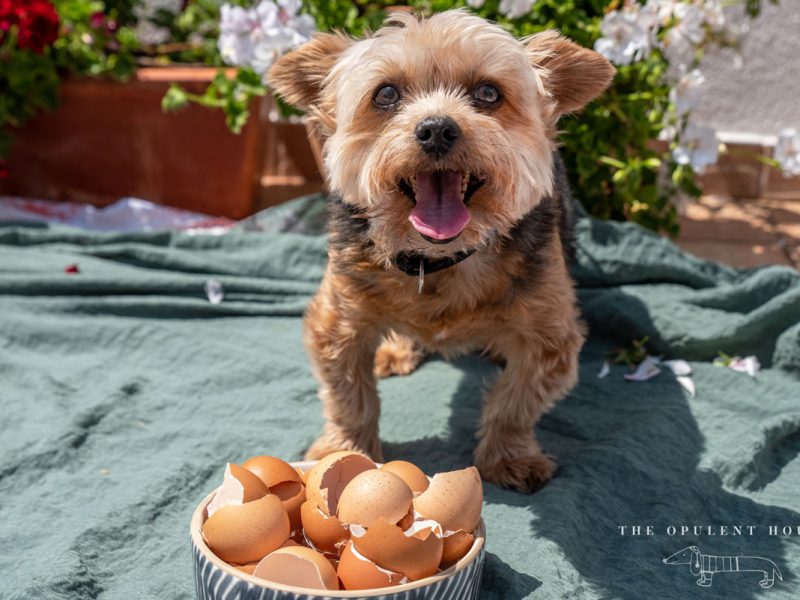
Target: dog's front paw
(336, 441)
(522, 473)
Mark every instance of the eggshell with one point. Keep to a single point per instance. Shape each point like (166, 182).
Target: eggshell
(238, 486)
(326, 480)
(247, 532)
(415, 556)
(453, 499)
(298, 566)
(303, 474)
(292, 494)
(374, 495)
(246, 568)
(359, 573)
(323, 531)
(410, 473)
(271, 470)
(455, 547)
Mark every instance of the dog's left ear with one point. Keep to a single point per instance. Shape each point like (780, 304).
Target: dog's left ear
(574, 75)
(298, 76)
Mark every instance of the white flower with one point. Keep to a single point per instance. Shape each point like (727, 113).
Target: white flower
(660, 11)
(787, 152)
(149, 9)
(255, 37)
(150, 34)
(475, 3)
(514, 9)
(235, 19)
(684, 37)
(688, 92)
(690, 22)
(625, 38)
(713, 14)
(698, 147)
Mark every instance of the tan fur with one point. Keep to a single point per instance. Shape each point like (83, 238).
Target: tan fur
(397, 355)
(368, 317)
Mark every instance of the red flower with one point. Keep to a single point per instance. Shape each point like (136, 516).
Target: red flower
(38, 25)
(3, 168)
(97, 20)
(8, 16)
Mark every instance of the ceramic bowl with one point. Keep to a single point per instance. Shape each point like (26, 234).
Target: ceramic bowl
(217, 580)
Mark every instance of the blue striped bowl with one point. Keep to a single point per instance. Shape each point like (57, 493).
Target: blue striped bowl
(217, 580)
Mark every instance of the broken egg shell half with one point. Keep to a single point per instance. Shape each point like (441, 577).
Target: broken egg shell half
(359, 573)
(292, 494)
(247, 532)
(416, 556)
(271, 470)
(410, 473)
(238, 486)
(453, 499)
(298, 566)
(326, 533)
(326, 480)
(454, 547)
(374, 495)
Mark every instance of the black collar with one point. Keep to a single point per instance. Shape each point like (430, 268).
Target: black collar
(409, 262)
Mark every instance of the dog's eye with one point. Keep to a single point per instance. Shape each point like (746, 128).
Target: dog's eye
(386, 97)
(486, 94)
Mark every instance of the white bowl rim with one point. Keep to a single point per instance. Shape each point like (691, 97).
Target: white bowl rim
(195, 529)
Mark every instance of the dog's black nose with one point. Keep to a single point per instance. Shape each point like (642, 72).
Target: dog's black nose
(437, 135)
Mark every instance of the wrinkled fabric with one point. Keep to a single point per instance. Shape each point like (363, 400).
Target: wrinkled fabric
(125, 391)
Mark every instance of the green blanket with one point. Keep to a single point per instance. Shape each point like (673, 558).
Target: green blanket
(125, 391)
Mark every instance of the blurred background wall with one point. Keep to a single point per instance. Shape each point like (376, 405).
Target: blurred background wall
(763, 96)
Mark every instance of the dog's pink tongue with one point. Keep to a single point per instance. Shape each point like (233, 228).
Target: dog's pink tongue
(440, 212)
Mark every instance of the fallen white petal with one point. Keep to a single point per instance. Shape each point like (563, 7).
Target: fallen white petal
(687, 383)
(214, 291)
(679, 367)
(647, 369)
(748, 364)
(604, 370)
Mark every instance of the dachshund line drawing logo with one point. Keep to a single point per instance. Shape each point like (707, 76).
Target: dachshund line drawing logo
(707, 565)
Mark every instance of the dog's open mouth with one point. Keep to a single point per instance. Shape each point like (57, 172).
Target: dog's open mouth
(440, 199)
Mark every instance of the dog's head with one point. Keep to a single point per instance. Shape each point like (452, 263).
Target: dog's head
(440, 129)
(686, 556)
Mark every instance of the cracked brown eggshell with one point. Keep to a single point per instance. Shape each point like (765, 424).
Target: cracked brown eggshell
(298, 566)
(325, 532)
(454, 548)
(359, 573)
(292, 494)
(415, 556)
(326, 480)
(238, 486)
(453, 499)
(374, 495)
(271, 470)
(410, 473)
(247, 532)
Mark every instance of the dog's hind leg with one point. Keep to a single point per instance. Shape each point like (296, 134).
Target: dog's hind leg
(397, 355)
(341, 345)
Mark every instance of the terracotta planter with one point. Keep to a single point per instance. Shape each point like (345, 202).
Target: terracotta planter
(110, 139)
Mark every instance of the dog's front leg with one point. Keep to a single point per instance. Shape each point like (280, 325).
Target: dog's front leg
(342, 349)
(535, 377)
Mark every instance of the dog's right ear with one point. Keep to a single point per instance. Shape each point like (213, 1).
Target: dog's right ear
(297, 77)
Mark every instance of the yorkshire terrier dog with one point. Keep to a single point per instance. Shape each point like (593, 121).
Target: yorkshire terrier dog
(450, 224)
